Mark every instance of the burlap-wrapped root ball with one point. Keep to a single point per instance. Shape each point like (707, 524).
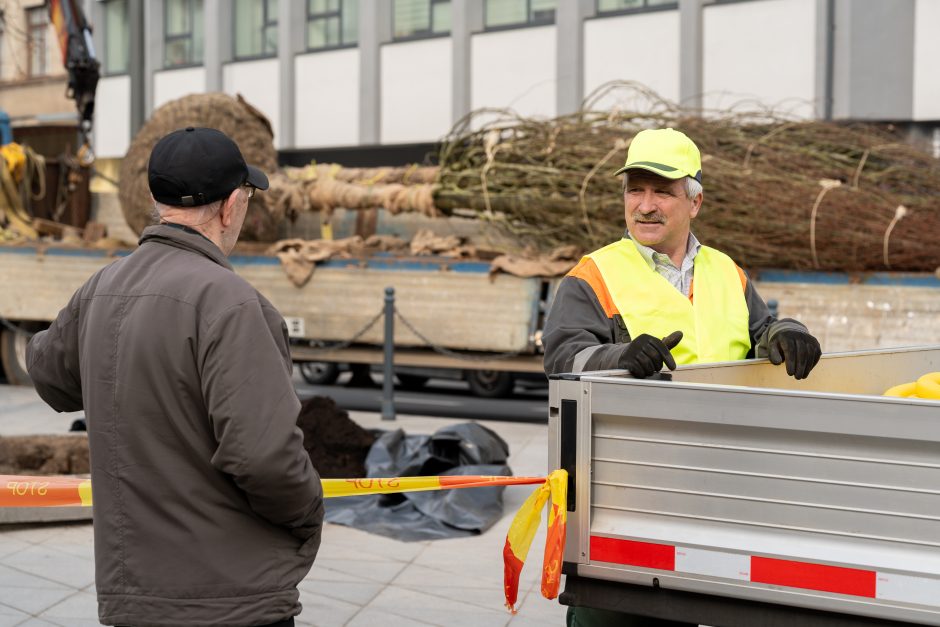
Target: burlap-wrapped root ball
(247, 126)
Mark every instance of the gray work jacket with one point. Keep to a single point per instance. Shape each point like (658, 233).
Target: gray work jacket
(206, 506)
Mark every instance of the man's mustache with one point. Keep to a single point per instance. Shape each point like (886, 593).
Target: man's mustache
(651, 218)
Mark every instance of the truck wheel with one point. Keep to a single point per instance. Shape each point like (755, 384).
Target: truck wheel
(319, 372)
(412, 381)
(13, 355)
(490, 383)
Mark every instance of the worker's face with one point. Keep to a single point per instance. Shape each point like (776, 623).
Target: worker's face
(658, 211)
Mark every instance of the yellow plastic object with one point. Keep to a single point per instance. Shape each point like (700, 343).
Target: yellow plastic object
(928, 386)
(554, 494)
(905, 390)
(15, 159)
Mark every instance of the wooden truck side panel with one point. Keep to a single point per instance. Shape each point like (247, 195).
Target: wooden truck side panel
(456, 305)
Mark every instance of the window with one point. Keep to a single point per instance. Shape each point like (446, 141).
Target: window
(255, 28)
(40, 57)
(509, 13)
(184, 33)
(116, 37)
(332, 23)
(617, 6)
(421, 18)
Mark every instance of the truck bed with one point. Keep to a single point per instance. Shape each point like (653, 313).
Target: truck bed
(457, 305)
(735, 481)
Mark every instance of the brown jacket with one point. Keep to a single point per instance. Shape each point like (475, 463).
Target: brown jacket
(207, 508)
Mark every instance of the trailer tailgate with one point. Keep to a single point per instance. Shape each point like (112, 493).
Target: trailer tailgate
(735, 480)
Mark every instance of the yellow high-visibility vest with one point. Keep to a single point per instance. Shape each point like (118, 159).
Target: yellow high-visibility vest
(714, 323)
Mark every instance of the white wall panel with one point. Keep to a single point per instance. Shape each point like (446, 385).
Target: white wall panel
(113, 116)
(642, 47)
(258, 83)
(514, 69)
(172, 84)
(761, 53)
(416, 90)
(926, 53)
(326, 87)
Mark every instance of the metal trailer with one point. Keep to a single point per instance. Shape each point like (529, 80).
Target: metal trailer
(456, 305)
(731, 494)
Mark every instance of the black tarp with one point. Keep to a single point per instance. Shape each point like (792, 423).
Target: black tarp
(462, 449)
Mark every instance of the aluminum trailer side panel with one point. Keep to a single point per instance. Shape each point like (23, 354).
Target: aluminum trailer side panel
(814, 494)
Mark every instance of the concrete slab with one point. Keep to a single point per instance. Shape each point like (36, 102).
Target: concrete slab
(32, 515)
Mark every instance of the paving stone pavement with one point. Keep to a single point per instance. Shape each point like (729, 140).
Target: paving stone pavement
(358, 579)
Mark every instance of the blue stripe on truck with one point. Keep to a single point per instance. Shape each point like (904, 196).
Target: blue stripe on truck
(910, 279)
(382, 261)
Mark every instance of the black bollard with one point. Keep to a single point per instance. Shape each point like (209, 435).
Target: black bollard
(772, 306)
(388, 366)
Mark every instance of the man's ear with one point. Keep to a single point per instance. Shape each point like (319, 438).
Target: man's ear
(696, 204)
(227, 211)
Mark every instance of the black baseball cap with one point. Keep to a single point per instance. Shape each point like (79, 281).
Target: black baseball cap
(195, 166)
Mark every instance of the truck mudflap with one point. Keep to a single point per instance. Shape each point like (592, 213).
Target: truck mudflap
(734, 485)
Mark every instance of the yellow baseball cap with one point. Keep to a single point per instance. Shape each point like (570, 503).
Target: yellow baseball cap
(666, 152)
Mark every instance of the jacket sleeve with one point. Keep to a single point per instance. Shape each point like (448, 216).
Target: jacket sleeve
(760, 321)
(246, 379)
(578, 333)
(53, 363)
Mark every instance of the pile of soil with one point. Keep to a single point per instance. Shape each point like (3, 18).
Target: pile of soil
(337, 446)
(44, 455)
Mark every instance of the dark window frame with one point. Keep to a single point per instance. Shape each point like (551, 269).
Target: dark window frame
(427, 33)
(527, 24)
(266, 23)
(646, 8)
(325, 15)
(167, 38)
(37, 33)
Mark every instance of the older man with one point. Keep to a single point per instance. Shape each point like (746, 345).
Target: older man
(659, 297)
(207, 508)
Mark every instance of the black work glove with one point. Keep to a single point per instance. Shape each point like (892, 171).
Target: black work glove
(793, 346)
(645, 355)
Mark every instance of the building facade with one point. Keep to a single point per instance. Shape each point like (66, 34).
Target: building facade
(32, 76)
(362, 73)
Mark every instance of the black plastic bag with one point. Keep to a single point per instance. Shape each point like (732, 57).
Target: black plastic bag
(462, 449)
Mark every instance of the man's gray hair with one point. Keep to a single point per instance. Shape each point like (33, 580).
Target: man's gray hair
(200, 215)
(692, 187)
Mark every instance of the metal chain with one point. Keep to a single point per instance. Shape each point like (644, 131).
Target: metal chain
(16, 329)
(450, 353)
(352, 340)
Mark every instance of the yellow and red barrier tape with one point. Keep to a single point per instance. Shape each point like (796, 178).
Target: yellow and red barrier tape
(19, 491)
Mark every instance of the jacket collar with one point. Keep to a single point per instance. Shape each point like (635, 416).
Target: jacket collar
(186, 239)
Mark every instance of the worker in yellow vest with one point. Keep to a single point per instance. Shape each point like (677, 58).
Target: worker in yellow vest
(659, 297)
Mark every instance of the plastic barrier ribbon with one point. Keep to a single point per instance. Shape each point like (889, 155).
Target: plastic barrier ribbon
(28, 491)
(522, 531)
(58, 491)
(44, 491)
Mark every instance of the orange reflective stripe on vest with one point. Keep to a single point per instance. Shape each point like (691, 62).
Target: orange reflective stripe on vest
(714, 324)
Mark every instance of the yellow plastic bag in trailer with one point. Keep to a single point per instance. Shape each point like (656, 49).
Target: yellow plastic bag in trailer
(927, 386)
